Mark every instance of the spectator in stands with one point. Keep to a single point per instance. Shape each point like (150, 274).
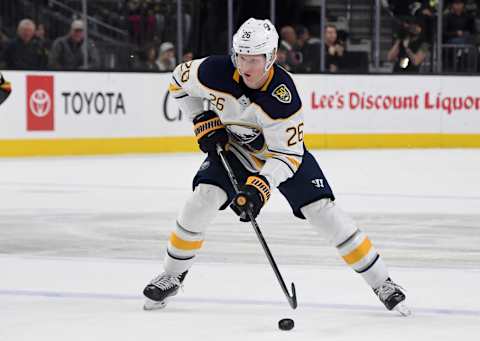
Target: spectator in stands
(41, 35)
(148, 60)
(187, 56)
(410, 49)
(159, 21)
(288, 41)
(426, 14)
(67, 51)
(401, 8)
(150, 24)
(334, 50)
(135, 21)
(25, 51)
(458, 25)
(310, 49)
(281, 60)
(166, 57)
(3, 44)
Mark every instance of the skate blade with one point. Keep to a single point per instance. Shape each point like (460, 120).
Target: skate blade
(154, 305)
(403, 309)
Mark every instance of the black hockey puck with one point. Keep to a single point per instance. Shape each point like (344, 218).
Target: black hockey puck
(286, 324)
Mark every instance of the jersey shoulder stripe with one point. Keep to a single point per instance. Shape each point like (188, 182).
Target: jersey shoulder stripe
(216, 72)
(282, 99)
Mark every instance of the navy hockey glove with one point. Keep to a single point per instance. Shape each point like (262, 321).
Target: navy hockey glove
(253, 195)
(210, 131)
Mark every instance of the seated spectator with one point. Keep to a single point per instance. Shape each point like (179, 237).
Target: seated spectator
(459, 26)
(150, 24)
(135, 21)
(281, 60)
(149, 60)
(401, 8)
(67, 51)
(187, 56)
(288, 41)
(410, 49)
(334, 50)
(166, 57)
(3, 44)
(426, 13)
(310, 49)
(25, 51)
(41, 35)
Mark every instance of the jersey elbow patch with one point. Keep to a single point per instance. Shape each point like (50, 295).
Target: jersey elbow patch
(177, 91)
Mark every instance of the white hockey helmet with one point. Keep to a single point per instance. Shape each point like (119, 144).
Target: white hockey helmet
(254, 37)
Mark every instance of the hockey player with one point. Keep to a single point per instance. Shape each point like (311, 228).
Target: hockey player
(5, 89)
(256, 115)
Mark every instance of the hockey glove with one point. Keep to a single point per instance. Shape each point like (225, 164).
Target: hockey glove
(5, 89)
(252, 196)
(210, 131)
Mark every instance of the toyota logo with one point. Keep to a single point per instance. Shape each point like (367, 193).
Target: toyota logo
(40, 103)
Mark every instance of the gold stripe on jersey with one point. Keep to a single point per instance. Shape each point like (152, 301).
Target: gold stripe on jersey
(359, 252)
(174, 87)
(269, 79)
(290, 160)
(236, 76)
(294, 161)
(183, 244)
(258, 162)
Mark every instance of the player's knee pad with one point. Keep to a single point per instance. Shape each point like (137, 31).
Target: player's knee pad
(201, 207)
(334, 224)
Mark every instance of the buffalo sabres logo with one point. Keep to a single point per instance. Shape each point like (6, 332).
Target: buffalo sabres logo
(282, 93)
(251, 137)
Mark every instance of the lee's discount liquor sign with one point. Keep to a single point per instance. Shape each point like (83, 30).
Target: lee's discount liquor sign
(390, 104)
(40, 103)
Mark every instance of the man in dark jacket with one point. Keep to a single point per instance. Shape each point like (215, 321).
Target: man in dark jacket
(25, 51)
(459, 26)
(67, 51)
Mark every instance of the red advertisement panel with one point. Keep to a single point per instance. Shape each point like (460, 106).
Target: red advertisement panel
(40, 103)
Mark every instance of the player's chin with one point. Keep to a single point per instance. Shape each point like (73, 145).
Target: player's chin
(250, 81)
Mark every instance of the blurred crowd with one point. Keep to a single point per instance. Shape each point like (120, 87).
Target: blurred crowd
(415, 38)
(150, 39)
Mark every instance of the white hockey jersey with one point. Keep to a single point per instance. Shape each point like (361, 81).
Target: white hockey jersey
(265, 126)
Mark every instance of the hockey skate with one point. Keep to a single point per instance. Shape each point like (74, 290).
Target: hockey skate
(392, 295)
(160, 289)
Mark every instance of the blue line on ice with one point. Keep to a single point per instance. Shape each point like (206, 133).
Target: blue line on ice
(335, 306)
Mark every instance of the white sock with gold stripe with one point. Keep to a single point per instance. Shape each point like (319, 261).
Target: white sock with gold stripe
(352, 244)
(359, 253)
(198, 212)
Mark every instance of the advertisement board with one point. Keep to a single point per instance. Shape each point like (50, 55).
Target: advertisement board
(71, 113)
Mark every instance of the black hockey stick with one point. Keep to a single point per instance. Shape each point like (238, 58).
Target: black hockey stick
(292, 299)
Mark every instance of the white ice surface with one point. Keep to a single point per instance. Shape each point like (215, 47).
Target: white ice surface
(80, 237)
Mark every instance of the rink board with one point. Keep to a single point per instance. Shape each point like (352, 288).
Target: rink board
(62, 113)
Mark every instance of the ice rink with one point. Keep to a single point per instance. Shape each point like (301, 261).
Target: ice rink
(80, 237)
